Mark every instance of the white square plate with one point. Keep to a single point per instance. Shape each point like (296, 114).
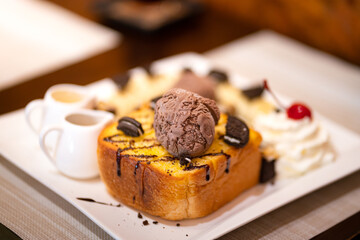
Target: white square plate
(20, 146)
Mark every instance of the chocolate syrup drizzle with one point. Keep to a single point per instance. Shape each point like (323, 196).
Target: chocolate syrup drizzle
(111, 139)
(228, 159)
(206, 166)
(144, 158)
(136, 166)
(93, 201)
(118, 161)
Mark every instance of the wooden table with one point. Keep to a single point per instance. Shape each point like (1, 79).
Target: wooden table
(204, 32)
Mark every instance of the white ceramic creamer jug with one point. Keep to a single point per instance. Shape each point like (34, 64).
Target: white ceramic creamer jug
(75, 154)
(59, 100)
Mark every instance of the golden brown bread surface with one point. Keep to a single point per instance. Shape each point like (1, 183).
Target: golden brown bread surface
(140, 173)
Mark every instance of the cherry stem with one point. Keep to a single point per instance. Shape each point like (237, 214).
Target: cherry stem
(266, 86)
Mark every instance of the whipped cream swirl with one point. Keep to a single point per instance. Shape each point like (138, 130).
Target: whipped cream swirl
(298, 145)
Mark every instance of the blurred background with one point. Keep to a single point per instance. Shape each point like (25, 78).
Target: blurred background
(330, 25)
(56, 41)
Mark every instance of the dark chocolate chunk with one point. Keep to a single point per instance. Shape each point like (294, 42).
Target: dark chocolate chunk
(267, 171)
(155, 222)
(237, 132)
(253, 92)
(218, 75)
(145, 222)
(178, 224)
(153, 102)
(139, 215)
(130, 127)
(121, 80)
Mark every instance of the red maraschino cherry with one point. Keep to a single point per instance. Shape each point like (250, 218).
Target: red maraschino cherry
(296, 111)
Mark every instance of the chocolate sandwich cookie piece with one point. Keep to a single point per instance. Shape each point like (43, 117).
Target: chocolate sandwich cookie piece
(218, 75)
(267, 171)
(121, 80)
(185, 160)
(237, 132)
(130, 127)
(153, 102)
(253, 92)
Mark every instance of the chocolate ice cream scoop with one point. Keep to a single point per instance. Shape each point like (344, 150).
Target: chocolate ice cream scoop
(185, 122)
(204, 86)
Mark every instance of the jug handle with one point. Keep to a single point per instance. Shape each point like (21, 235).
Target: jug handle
(29, 109)
(42, 140)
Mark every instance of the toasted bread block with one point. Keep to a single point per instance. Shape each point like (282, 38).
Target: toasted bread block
(140, 173)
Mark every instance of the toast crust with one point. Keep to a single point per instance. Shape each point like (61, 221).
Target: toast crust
(140, 173)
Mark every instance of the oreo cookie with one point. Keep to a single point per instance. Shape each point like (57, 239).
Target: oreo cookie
(267, 171)
(237, 132)
(121, 80)
(153, 102)
(185, 161)
(218, 75)
(253, 92)
(130, 127)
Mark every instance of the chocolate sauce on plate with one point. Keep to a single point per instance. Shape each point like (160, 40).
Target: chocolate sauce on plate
(93, 201)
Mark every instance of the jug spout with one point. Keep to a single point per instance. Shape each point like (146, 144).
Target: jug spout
(89, 118)
(75, 153)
